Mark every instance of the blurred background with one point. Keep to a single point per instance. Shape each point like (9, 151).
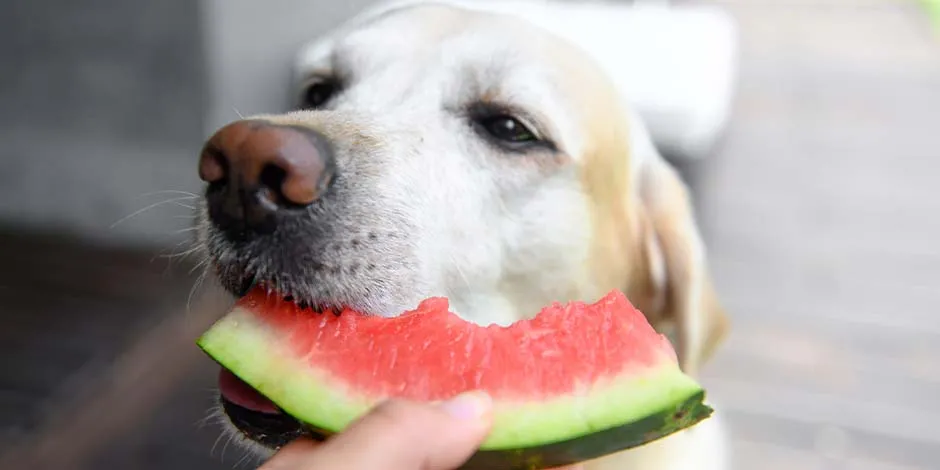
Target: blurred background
(820, 206)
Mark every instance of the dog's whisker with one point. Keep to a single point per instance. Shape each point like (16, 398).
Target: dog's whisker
(175, 201)
(192, 293)
(181, 242)
(187, 229)
(174, 254)
(228, 440)
(197, 285)
(200, 264)
(216, 444)
(205, 422)
(245, 455)
(182, 254)
(185, 206)
(238, 113)
(163, 254)
(211, 414)
(171, 191)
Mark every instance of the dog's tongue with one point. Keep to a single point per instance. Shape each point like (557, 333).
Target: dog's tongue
(238, 392)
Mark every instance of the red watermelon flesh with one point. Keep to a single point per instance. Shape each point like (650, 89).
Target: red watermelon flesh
(573, 371)
(377, 356)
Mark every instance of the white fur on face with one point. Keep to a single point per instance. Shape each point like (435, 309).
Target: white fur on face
(499, 233)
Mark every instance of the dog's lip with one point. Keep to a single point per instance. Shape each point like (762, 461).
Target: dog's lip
(247, 283)
(240, 393)
(245, 280)
(317, 306)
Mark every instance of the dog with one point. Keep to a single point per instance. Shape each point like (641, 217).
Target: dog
(449, 149)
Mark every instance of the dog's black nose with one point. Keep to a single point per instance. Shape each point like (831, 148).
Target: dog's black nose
(256, 170)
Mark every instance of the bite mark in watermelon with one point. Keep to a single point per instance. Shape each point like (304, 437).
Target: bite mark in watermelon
(575, 382)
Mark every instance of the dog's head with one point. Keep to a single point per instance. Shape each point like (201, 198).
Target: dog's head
(439, 151)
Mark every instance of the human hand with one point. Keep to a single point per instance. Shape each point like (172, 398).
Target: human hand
(398, 435)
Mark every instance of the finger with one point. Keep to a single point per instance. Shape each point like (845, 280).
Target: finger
(403, 435)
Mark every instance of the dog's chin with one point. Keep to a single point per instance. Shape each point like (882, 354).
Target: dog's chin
(232, 433)
(240, 282)
(377, 295)
(260, 433)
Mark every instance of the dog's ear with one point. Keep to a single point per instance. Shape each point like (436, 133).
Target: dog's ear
(676, 255)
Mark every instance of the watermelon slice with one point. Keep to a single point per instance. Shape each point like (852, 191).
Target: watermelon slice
(575, 382)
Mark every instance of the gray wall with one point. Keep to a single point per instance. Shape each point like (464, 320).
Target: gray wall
(252, 44)
(104, 102)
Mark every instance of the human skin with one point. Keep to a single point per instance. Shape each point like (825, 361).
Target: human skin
(398, 435)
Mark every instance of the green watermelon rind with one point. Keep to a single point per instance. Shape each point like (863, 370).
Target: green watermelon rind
(583, 448)
(652, 427)
(630, 409)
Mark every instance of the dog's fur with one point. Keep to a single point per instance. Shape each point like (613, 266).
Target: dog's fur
(425, 205)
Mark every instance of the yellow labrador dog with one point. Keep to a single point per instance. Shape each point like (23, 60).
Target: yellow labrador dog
(453, 150)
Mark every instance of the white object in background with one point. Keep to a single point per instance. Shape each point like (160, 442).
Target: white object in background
(680, 70)
(676, 64)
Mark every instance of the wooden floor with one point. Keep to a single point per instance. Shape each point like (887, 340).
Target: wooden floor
(98, 368)
(822, 216)
(821, 212)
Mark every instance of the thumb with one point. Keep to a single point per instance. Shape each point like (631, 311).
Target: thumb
(404, 435)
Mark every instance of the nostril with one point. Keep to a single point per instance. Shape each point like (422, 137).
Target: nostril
(272, 179)
(212, 165)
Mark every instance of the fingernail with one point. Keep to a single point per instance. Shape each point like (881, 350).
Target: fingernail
(468, 405)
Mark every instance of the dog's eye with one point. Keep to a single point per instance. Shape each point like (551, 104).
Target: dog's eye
(317, 94)
(508, 129)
